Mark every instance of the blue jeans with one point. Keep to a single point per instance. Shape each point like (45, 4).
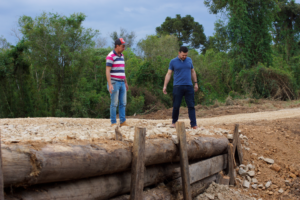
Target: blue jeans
(188, 92)
(118, 94)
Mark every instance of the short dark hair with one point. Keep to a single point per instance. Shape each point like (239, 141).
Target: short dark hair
(183, 49)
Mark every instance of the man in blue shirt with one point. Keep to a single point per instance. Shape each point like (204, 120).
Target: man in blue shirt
(184, 72)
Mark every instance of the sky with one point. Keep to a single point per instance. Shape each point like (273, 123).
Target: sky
(139, 16)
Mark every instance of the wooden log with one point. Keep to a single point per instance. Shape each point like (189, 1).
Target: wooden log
(231, 164)
(100, 188)
(184, 161)
(204, 168)
(200, 170)
(165, 193)
(237, 148)
(26, 164)
(103, 187)
(138, 165)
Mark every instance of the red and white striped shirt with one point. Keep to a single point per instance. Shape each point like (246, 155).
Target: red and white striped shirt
(117, 65)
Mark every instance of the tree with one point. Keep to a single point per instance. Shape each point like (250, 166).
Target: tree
(249, 26)
(287, 28)
(220, 40)
(128, 37)
(4, 44)
(59, 50)
(185, 29)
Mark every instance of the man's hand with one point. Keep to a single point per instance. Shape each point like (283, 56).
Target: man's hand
(110, 88)
(196, 87)
(165, 90)
(126, 85)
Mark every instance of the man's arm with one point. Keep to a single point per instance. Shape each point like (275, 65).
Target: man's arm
(110, 86)
(194, 78)
(167, 79)
(126, 84)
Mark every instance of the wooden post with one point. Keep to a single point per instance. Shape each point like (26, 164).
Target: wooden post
(237, 148)
(184, 162)
(138, 166)
(231, 164)
(1, 174)
(118, 134)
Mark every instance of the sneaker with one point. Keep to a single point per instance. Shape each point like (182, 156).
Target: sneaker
(124, 124)
(112, 125)
(194, 127)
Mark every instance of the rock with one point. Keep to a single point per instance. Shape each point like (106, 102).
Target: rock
(220, 196)
(276, 167)
(251, 173)
(269, 160)
(210, 196)
(280, 190)
(268, 184)
(287, 182)
(230, 136)
(261, 158)
(239, 180)
(254, 180)
(175, 139)
(247, 148)
(249, 166)
(292, 175)
(248, 178)
(270, 193)
(254, 186)
(246, 184)
(260, 186)
(242, 166)
(255, 154)
(242, 172)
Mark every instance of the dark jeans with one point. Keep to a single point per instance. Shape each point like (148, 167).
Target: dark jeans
(188, 92)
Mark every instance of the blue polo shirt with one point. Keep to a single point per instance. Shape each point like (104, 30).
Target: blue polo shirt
(182, 71)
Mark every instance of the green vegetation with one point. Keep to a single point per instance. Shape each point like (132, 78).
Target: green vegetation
(58, 68)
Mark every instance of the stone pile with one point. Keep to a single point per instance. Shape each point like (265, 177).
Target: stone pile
(65, 130)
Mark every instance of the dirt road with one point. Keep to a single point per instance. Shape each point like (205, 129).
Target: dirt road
(246, 117)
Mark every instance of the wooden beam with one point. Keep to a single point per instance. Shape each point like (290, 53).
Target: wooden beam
(184, 161)
(237, 148)
(231, 165)
(204, 168)
(138, 164)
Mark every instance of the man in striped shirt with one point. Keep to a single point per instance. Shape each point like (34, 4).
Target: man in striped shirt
(116, 82)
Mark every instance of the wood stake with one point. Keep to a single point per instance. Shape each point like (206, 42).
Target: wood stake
(231, 164)
(1, 174)
(184, 162)
(237, 148)
(138, 166)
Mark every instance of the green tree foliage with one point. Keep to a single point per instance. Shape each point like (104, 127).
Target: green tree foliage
(287, 29)
(59, 48)
(128, 37)
(4, 44)
(249, 24)
(185, 29)
(219, 42)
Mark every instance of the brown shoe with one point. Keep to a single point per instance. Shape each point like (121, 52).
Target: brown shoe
(172, 126)
(194, 127)
(124, 124)
(112, 125)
